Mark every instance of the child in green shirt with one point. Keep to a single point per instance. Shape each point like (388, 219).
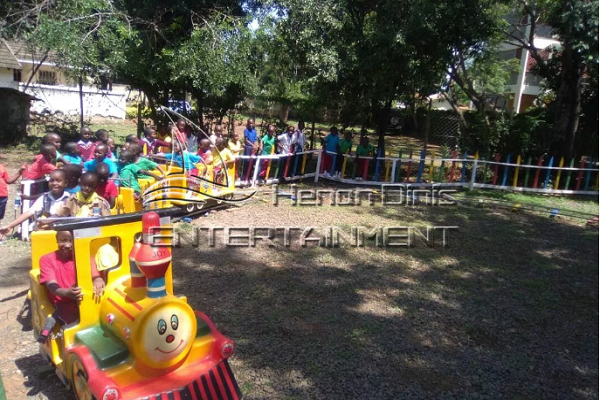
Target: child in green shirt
(364, 149)
(129, 172)
(267, 144)
(344, 147)
(143, 162)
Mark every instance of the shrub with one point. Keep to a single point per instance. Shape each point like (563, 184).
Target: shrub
(131, 112)
(507, 133)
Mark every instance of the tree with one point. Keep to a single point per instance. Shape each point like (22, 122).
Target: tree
(360, 51)
(575, 23)
(84, 37)
(213, 64)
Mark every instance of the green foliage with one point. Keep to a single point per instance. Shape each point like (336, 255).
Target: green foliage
(506, 133)
(572, 71)
(213, 61)
(131, 112)
(86, 37)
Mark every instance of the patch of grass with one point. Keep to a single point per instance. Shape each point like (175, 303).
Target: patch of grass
(247, 387)
(118, 131)
(586, 204)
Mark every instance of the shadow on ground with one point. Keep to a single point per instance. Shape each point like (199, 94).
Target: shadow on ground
(41, 382)
(509, 310)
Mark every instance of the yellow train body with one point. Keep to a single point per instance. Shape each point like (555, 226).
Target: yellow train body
(129, 344)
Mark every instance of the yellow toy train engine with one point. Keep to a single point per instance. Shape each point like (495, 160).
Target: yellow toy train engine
(146, 342)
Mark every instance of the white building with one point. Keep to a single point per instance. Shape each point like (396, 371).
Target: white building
(22, 68)
(525, 86)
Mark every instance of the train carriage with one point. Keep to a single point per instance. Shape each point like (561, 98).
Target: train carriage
(138, 340)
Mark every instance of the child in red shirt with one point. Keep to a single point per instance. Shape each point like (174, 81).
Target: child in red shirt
(6, 180)
(85, 144)
(204, 151)
(57, 272)
(42, 164)
(106, 188)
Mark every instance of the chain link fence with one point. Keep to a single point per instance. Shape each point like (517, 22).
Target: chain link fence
(444, 130)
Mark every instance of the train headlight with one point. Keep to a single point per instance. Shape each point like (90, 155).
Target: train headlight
(228, 349)
(110, 394)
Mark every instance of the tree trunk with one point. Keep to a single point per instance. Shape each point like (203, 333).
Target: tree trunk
(166, 97)
(81, 100)
(427, 127)
(413, 111)
(312, 135)
(461, 118)
(567, 105)
(140, 123)
(382, 124)
(153, 113)
(34, 71)
(200, 102)
(284, 112)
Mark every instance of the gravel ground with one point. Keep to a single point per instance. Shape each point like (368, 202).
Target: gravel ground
(509, 310)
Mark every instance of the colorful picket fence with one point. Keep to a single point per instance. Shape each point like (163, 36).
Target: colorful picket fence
(544, 175)
(278, 167)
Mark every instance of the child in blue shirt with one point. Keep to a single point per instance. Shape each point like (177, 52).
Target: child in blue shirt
(74, 172)
(183, 158)
(251, 142)
(331, 147)
(100, 155)
(72, 154)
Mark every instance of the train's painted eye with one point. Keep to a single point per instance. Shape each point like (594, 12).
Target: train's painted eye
(162, 326)
(174, 322)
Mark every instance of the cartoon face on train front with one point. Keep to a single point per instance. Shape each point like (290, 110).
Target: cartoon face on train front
(166, 334)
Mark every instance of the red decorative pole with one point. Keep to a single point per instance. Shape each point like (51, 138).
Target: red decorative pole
(537, 172)
(497, 159)
(151, 259)
(138, 279)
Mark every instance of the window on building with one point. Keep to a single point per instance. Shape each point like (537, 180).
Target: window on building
(17, 75)
(47, 77)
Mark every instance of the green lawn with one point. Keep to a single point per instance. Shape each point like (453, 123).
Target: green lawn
(581, 204)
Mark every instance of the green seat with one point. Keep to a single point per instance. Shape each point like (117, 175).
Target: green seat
(104, 346)
(203, 328)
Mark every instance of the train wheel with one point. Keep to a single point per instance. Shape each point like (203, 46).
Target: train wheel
(80, 380)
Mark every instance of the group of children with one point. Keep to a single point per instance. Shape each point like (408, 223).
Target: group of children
(293, 141)
(82, 179)
(83, 175)
(334, 149)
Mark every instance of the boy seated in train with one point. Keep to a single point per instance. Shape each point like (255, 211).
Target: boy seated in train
(58, 274)
(42, 165)
(151, 142)
(101, 155)
(86, 202)
(143, 162)
(129, 172)
(106, 188)
(184, 159)
(48, 204)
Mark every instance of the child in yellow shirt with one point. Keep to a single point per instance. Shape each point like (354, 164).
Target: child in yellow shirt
(235, 146)
(222, 156)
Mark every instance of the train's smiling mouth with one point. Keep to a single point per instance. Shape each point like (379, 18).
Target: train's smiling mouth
(168, 352)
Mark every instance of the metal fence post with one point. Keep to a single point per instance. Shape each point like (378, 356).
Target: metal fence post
(318, 165)
(473, 174)
(257, 167)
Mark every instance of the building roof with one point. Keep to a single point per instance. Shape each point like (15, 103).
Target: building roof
(7, 58)
(27, 53)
